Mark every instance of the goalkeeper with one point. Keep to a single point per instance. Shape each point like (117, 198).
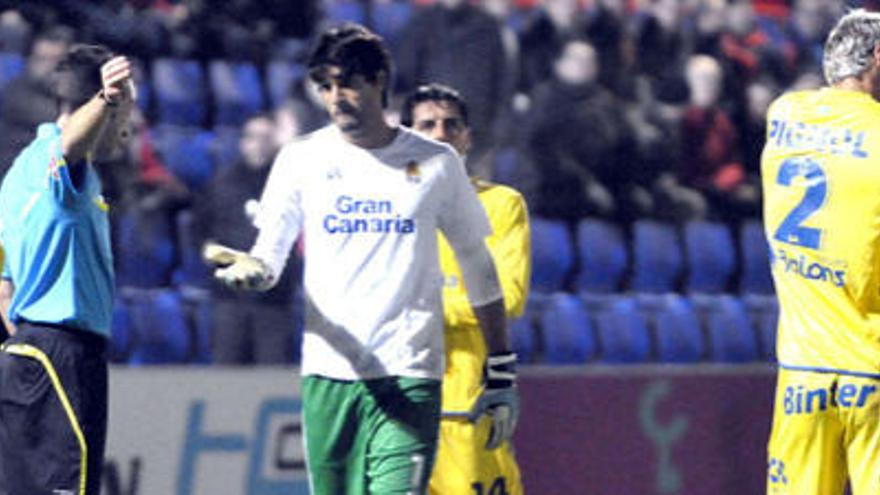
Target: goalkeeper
(369, 198)
(473, 455)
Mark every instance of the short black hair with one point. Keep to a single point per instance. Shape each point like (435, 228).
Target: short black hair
(77, 79)
(355, 50)
(436, 93)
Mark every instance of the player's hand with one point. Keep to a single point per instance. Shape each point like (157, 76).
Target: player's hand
(500, 398)
(116, 80)
(237, 269)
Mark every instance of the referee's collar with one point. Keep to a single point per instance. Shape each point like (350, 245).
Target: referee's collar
(48, 129)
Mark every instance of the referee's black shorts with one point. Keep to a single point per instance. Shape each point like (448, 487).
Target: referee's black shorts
(53, 411)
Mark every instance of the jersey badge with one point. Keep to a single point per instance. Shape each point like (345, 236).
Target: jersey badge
(413, 174)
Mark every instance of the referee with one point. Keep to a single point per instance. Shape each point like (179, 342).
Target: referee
(58, 283)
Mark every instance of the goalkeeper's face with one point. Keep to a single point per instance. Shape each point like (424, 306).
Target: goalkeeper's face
(443, 121)
(353, 102)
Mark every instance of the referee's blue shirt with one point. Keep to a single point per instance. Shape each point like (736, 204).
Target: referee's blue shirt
(57, 240)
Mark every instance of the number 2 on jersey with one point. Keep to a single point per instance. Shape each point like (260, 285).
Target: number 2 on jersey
(791, 230)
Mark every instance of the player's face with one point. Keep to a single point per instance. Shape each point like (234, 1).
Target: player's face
(351, 101)
(442, 120)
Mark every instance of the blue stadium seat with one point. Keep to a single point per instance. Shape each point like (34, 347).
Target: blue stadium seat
(202, 314)
(145, 252)
(122, 334)
(143, 85)
(519, 17)
(567, 331)
(191, 270)
(755, 275)
(679, 335)
(603, 256)
(657, 257)
(224, 148)
(623, 333)
(390, 19)
(732, 338)
(180, 92)
(163, 333)
(187, 152)
(237, 91)
(345, 10)
(711, 256)
(552, 254)
(766, 322)
(281, 75)
(11, 66)
(522, 338)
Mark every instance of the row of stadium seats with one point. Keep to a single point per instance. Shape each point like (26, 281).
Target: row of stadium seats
(161, 326)
(699, 257)
(168, 326)
(184, 90)
(568, 329)
(650, 257)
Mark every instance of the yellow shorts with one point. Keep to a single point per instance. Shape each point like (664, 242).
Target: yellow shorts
(826, 429)
(463, 465)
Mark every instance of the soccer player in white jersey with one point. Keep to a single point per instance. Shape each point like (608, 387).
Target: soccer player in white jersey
(369, 199)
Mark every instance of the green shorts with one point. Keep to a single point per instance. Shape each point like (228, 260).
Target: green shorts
(370, 437)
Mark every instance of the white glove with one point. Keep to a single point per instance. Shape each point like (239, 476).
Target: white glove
(500, 398)
(237, 269)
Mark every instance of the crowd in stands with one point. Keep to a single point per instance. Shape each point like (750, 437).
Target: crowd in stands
(642, 118)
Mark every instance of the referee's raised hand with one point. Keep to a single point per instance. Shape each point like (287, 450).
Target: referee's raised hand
(116, 79)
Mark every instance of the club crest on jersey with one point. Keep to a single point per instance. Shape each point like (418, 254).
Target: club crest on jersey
(413, 174)
(54, 170)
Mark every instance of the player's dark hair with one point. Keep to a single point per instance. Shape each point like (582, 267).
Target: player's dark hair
(435, 93)
(355, 50)
(77, 78)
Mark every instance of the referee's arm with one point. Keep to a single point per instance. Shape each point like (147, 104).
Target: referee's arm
(85, 126)
(6, 291)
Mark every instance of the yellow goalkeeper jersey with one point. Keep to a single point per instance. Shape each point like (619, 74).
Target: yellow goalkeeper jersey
(510, 247)
(821, 180)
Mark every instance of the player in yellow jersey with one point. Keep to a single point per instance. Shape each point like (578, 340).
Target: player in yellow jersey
(821, 179)
(473, 456)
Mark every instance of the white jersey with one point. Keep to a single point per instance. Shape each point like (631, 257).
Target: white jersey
(370, 218)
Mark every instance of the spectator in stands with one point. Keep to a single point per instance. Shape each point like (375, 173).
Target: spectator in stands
(543, 37)
(657, 125)
(809, 21)
(15, 32)
(660, 41)
(711, 161)
(458, 44)
(249, 327)
(28, 100)
(759, 95)
(146, 199)
(579, 142)
(606, 28)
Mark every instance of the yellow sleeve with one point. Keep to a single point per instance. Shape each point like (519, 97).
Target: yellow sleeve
(510, 247)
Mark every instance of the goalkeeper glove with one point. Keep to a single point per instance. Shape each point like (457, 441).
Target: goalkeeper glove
(237, 269)
(500, 398)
